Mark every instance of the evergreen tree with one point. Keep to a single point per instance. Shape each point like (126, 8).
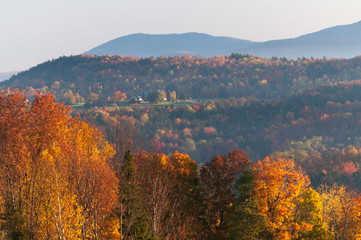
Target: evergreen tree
(132, 223)
(247, 222)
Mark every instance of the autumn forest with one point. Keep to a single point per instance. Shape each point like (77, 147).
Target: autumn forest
(235, 147)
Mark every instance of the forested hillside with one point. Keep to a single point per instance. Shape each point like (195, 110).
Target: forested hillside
(64, 178)
(240, 101)
(180, 136)
(88, 78)
(206, 128)
(61, 179)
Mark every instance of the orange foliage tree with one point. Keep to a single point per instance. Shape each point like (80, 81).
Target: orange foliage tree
(278, 183)
(218, 178)
(55, 182)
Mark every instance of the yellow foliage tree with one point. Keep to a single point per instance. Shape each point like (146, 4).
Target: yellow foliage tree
(278, 183)
(55, 180)
(341, 211)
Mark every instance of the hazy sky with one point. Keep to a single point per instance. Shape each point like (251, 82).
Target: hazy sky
(33, 31)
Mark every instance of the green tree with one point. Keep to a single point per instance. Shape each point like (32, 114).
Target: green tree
(132, 223)
(156, 97)
(308, 216)
(247, 222)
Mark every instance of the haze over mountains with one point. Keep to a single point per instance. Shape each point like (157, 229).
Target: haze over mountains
(193, 44)
(339, 41)
(6, 75)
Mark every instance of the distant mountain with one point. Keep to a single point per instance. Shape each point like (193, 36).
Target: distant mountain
(6, 75)
(340, 41)
(193, 44)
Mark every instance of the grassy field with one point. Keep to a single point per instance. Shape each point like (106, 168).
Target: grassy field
(126, 103)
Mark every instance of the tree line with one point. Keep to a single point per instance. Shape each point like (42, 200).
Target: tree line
(87, 78)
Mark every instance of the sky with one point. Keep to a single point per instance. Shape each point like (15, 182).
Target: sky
(35, 31)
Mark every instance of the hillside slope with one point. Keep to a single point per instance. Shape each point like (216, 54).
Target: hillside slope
(340, 41)
(193, 44)
(200, 78)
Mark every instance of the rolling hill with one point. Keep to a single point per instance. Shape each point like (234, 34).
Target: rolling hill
(339, 41)
(193, 44)
(244, 102)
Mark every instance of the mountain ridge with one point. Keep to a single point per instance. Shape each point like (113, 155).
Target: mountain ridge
(342, 41)
(147, 45)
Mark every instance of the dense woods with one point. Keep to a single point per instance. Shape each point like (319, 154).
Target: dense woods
(89, 78)
(326, 117)
(170, 169)
(240, 101)
(55, 182)
(60, 179)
